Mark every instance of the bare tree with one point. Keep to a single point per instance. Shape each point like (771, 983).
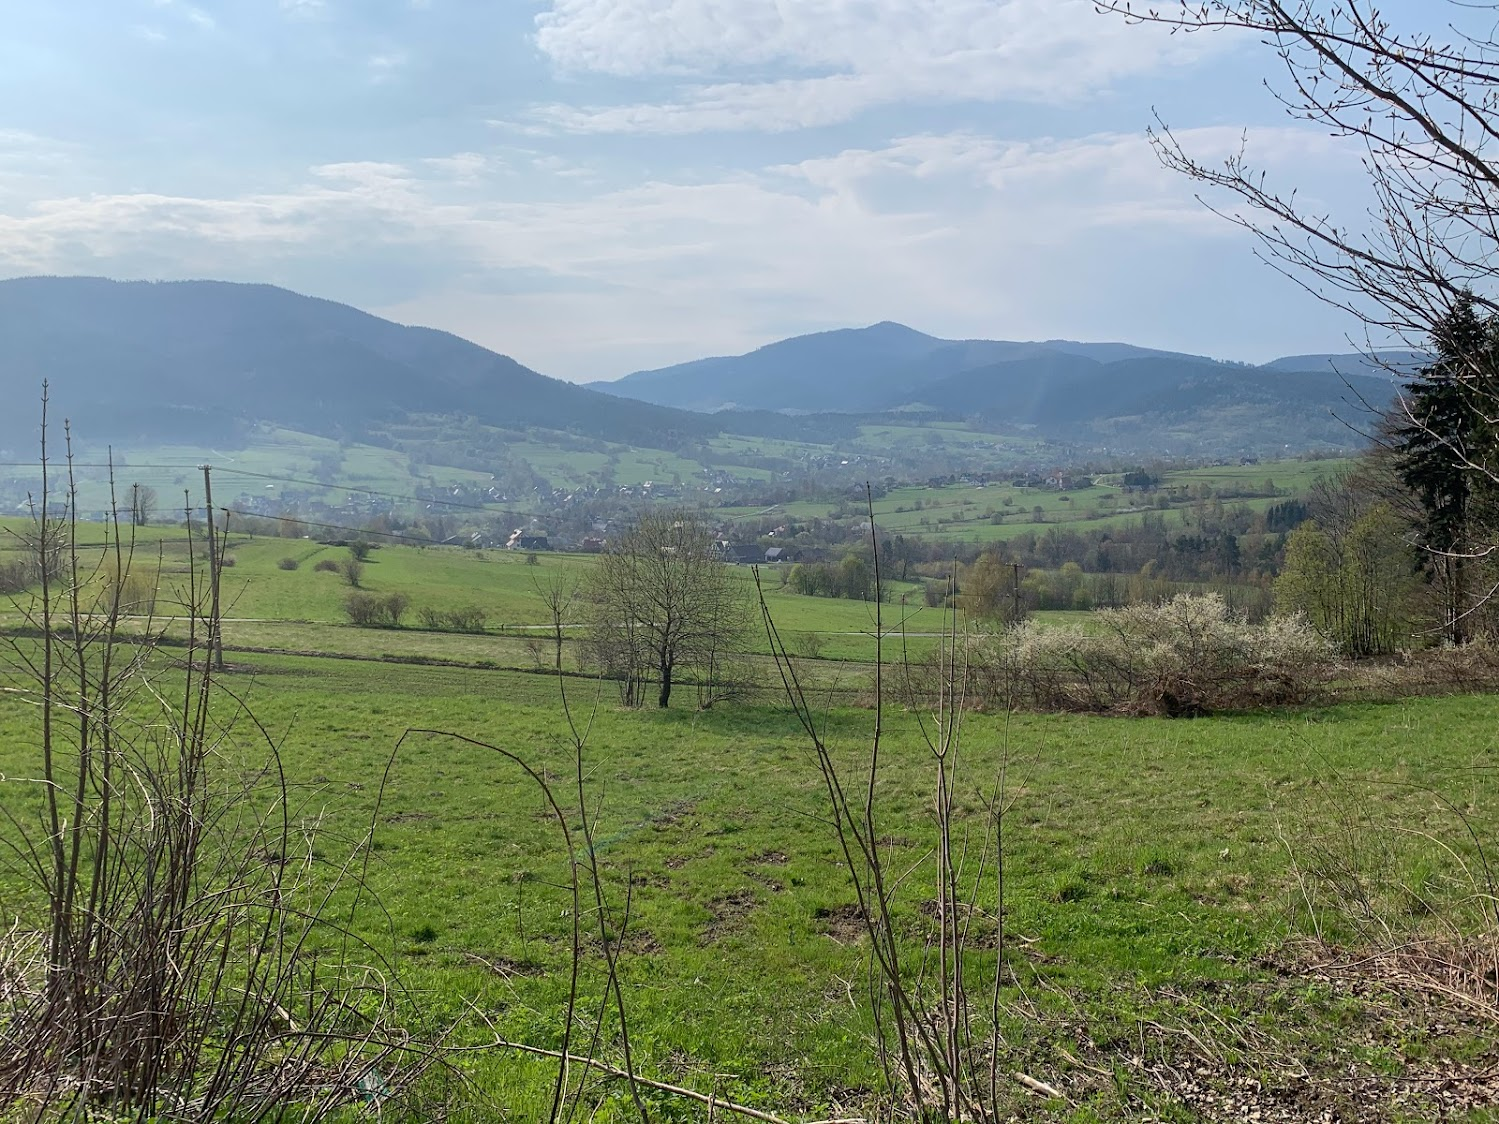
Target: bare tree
(558, 591)
(1419, 257)
(142, 504)
(663, 603)
(1426, 113)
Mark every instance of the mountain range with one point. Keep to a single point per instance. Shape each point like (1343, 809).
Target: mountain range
(160, 360)
(1051, 384)
(153, 360)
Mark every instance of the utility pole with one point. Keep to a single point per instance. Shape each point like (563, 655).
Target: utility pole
(215, 626)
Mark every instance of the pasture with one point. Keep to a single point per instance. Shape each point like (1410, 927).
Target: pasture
(1164, 880)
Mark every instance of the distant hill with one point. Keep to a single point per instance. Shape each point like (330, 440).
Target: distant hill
(1108, 393)
(1382, 364)
(775, 377)
(165, 360)
(1176, 403)
(200, 362)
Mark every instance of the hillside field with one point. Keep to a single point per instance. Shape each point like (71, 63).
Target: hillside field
(1163, 879)
(1152, 880)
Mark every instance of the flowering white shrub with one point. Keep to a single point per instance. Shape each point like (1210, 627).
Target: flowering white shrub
(1189, 655)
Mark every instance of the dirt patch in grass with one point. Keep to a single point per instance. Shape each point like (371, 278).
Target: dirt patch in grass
(728, 913)
(771, 883)
(677, 862)
(409, 817)
(673, 814)
(843, 923)
(504, 966)
(770, 858)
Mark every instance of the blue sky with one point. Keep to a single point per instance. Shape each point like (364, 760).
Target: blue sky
(598, 186)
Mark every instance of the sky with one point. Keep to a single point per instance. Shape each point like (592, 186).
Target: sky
(600, 186)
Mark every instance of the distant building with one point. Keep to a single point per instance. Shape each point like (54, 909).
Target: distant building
(528, 540)
(742, 554)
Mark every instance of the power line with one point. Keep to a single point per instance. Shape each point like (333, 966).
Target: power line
(351, 531)
(348, 488)
(225, 470)
(63, 464)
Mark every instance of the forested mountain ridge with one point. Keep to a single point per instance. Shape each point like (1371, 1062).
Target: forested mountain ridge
(198, 362)
(1052, 383)
(158, 359)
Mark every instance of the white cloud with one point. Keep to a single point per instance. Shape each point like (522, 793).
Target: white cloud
(190, 12)
(385, 66)
(781, 66)
(304, 9)
(959, 233)
(462, 167)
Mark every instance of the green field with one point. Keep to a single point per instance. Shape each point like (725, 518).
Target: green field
(1164, 880)
(999, 511)
(1152, 895)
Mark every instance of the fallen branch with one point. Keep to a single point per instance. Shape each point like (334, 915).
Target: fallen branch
(1041, 1088)
(676, 1090)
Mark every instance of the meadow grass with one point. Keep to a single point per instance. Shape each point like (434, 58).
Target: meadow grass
(1146, 859)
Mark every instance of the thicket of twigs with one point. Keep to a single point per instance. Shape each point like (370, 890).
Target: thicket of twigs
(177, 956)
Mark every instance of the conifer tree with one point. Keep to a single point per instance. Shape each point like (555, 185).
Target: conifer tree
(1445, 443)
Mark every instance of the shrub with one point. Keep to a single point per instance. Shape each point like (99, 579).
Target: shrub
(807, 645)
(287, 564)
(372, 610)
(352, 569)
(15, 577)
(227, 561)
(469, 619)
(326, 566)
(359, 550)
(1187, 656)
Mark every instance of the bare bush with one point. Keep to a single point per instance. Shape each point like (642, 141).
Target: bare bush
(936, 1010)
(287, 564)
(161, 965)
(326, 566)
(470, 618)
(374, 610)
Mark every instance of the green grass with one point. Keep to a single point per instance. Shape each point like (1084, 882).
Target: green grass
(1146, 858)
(968, 512)
(1156, 870)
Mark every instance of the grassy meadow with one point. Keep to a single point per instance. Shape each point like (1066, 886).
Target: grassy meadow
(1164, 880)
(999, 511)
(1151, 876)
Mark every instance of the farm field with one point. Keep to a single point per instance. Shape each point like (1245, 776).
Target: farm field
(1164, 880)
(1151, 881)
(324, 466)
(1000, 511)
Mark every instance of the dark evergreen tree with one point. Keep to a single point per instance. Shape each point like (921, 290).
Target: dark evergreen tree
(1445, 444)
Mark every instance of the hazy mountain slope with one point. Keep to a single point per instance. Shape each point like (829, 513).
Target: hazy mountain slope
(140, 358)
(885, 366)
(823, 371)
(1383, 364)
(1114, 352)
(1212, 404)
